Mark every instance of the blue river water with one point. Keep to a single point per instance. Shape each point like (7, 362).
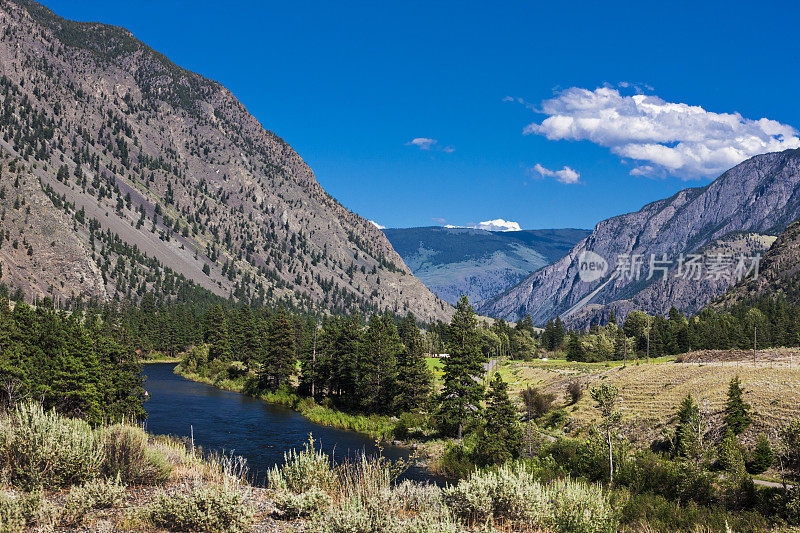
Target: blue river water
(237, 424)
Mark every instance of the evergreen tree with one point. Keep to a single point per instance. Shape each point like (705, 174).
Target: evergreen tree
(280, 357)
(377, 369)
(737, 411)
(462, 393)
(762, 457)
(559, 333)
(414, 378)
(500, 438)
(217, 337)
(575, 351)
(343, 360)
(688, 441)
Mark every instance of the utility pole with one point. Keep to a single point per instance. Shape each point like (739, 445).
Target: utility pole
(755, 333)
(648, 338)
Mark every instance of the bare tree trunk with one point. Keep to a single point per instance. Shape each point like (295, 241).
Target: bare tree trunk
(610, 460)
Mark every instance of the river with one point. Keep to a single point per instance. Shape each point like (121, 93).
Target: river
(235, 423)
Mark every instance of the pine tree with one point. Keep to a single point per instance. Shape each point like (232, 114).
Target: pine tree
(280, 357)
(762, 457)
(737, 411)
(217, 337)
(377, 368)
(414, 378)
(500, 438)
(688, 441)
(344, 354)
(462, 393)
(559, 333)
(575, 351)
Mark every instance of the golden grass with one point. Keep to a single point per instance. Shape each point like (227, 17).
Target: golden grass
(651, 392)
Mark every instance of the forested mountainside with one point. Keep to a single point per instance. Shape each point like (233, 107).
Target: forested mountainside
(778, 276)
(759, 196)
(476, 262)
(124, 173)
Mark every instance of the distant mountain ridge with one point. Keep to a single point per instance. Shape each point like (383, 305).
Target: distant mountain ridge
(759, 196)
(479, 263)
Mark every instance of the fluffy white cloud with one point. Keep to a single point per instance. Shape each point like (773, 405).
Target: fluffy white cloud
(497, 224)
(683, 140)
(565, 175)
(377, 225)
(425, 143)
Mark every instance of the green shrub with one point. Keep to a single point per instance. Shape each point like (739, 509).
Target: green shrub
(292, 505)
(354, 515)
(651, 512)
(510, 492)
(302, 471)
(28, 509)
(98, 493)
(456, 461)
(418, 497)
(12, 514)
(51, 451)
(219, 507)
(128, 457)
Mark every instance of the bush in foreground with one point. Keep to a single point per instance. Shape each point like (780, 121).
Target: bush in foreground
(128, 457)
(45, 450)
(511, 493)
(217, 507)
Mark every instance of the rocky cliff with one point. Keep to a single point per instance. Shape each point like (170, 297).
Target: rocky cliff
(759, 196)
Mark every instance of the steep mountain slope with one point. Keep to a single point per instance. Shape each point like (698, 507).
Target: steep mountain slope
(760, 195)
(779, 272)
(478, 263)
(168, 184)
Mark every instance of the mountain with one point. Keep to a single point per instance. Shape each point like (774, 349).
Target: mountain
(124, 173)
(760, 196)
(478, 263)
(779, 272)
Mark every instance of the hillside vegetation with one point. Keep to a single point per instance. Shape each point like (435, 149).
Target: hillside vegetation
(123, 173)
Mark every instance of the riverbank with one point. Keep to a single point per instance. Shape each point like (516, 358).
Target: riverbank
(377, 427)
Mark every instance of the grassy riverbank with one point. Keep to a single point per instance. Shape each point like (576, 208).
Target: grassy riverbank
(375, 426)
(61, 474)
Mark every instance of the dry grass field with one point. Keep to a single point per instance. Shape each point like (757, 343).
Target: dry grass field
(650, 393)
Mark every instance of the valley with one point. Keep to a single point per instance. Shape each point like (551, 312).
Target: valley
(195, 335)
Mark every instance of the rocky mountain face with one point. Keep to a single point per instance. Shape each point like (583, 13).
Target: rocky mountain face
(124, 173)
(760, 196)
(779, 272)
(476, 262)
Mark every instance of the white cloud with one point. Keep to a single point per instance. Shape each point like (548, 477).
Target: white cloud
(425, 143)
(679, 139)
(565, 175)
(377, 225)
(497, 224)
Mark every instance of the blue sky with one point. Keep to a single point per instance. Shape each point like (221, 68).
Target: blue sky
(351, 85)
